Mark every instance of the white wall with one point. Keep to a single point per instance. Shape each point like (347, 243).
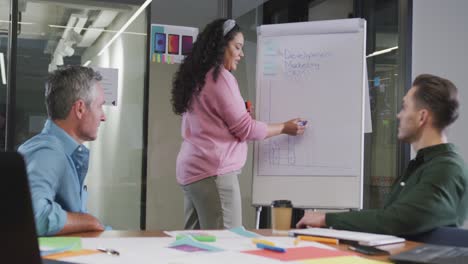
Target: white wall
(440, 47)
(114, 176)
(164, 199)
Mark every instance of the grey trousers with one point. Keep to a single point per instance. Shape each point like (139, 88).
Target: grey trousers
(213, 203)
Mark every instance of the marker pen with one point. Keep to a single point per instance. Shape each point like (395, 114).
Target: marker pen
(272, 248)
(248, 105)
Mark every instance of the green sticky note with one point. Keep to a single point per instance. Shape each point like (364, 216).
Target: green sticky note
(190, 241)
(51, 245)
(198, 237)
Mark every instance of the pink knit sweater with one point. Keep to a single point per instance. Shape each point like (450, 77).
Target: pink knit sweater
(215, 131)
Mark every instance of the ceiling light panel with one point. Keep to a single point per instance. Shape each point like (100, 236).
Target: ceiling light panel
(104, 19)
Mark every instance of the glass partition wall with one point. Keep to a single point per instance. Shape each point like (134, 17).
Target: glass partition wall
(384, 68)
(4, 40)
(104, 34)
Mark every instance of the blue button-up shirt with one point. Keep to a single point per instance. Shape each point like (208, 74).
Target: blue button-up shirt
(56, 166)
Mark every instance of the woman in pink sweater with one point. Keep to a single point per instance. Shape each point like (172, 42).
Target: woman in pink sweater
(215, 128)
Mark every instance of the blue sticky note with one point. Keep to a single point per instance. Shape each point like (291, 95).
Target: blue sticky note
(242, 232)
(377, 81)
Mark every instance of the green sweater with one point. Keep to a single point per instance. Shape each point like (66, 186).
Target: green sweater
(431, 193)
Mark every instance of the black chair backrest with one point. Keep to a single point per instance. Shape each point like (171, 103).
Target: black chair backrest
(446, 236)
(19, 241)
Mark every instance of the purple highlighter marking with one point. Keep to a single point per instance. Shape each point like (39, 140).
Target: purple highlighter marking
(188, 248)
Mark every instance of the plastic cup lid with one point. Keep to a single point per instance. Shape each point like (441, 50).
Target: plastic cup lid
(281, 203)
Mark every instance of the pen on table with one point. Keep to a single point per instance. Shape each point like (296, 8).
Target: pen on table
(316, 239)
(109, 251)
(262, 241)
(272, 248)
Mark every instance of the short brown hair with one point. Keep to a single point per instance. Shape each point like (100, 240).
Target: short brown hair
(440, 96)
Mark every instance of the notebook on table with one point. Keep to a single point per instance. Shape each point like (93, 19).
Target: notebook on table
(19, 241)
(432, 254)
(368, 239)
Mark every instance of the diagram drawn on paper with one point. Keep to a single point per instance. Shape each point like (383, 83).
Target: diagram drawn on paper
(295, 83)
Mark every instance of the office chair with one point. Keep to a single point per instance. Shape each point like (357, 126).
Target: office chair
(447, 236)
(18, 243)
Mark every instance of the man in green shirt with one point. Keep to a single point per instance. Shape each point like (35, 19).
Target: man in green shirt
(433, 190)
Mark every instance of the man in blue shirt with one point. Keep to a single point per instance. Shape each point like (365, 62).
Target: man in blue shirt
(57, 160)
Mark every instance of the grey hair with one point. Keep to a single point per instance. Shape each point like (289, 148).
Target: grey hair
(67, 85)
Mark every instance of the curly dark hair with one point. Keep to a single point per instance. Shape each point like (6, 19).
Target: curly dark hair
(207, 53)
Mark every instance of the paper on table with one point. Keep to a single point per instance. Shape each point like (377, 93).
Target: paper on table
(217, 233)
(148, 250)
(343, 260)
(241, 244)
(139, 250)
(368, 239)
(225, 257)
(229, 233)
(143, 250)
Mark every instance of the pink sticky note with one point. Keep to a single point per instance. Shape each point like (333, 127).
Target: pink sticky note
(300, 253)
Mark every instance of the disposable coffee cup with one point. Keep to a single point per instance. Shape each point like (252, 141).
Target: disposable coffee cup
(281, 213)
